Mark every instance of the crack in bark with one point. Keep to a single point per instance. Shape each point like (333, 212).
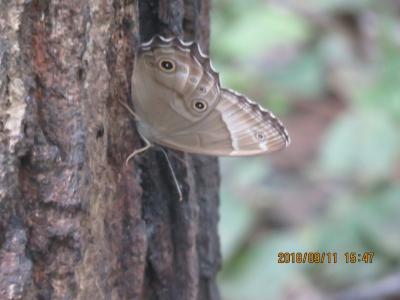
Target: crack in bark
(87, 226)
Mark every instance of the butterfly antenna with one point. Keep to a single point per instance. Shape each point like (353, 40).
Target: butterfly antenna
(178, 188)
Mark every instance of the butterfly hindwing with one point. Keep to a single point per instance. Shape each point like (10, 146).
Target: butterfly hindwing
(177, 95)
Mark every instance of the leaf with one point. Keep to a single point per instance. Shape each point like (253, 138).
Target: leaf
(261, 277)
(329, 5)
(363, 144)
(379, 221)
(235, 222)
(302, 77)
(262, 27)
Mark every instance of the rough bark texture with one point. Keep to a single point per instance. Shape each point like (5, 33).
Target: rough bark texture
(75, 222)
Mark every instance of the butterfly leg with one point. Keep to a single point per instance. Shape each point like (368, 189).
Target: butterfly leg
(135, 116)
(178, 187)
(147, 146)
(134, 153)
(176, 156)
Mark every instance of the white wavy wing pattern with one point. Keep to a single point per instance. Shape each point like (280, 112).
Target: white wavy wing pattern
(232, 125)
(236, 127)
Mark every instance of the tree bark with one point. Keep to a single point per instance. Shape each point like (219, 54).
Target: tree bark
(75, 221)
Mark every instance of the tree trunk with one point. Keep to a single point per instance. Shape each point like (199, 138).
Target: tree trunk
(75, 221)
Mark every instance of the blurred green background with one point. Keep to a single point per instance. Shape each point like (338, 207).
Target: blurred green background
(330, 69)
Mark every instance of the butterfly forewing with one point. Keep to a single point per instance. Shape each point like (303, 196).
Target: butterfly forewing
(177, 95)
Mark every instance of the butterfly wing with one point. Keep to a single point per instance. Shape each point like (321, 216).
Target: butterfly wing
(164, 98)
(178, 98)
(236, 127)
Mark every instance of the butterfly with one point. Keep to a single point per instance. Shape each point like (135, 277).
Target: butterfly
(179, 103)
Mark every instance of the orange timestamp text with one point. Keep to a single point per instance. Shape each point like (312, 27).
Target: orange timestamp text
(324, 257)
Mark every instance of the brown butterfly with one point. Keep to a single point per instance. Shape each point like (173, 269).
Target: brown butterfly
(180, 104)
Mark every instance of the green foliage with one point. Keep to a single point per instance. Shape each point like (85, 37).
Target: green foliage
(302, 76)
(261, 277)
(332, 5)
(363, 144)
(260, 28)
(240, 39)
(283, 53)
(364, 224)
(234, 226)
